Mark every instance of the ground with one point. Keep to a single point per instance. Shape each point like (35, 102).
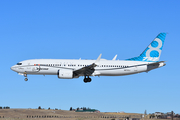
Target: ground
(41, 114)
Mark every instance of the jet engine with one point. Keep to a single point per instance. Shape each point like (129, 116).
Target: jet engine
(65, 74)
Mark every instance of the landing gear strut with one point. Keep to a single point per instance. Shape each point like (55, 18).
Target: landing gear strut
(25, 75)
(88, 79)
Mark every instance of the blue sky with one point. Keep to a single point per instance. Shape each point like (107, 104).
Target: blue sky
(70, 29)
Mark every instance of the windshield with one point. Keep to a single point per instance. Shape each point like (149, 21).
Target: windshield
(19, 63)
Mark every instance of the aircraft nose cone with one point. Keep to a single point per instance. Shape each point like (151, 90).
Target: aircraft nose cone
(13, 68)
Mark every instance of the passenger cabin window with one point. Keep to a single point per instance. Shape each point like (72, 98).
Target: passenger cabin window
(19, 63)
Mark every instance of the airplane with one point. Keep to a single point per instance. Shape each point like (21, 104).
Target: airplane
(74, 68)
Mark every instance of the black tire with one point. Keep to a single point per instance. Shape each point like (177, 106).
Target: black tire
(26, 79)
(85, 80)
(89, 79)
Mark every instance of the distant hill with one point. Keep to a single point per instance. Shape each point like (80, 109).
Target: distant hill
(57, 114)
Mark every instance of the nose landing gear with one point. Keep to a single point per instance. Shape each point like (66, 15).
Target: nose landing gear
(25, 75)
(87, 79)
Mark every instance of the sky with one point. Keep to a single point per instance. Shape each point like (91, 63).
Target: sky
(69, 29)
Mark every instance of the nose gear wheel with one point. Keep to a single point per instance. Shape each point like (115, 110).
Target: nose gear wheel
(25, 75)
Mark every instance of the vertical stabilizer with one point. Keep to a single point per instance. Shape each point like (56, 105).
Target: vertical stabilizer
(153, 52)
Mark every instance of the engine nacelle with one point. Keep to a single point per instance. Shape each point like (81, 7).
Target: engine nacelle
(65, 74)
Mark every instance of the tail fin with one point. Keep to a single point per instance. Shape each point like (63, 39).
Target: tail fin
(153, 52)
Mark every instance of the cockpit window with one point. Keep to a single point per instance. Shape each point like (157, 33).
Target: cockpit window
(19, 63)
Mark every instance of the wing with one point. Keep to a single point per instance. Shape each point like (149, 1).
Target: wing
(87, 70)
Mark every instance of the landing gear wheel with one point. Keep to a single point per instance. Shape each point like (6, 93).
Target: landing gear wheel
(87, 79)
(26, 79)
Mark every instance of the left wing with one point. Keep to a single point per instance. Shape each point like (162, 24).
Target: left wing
(87, 70)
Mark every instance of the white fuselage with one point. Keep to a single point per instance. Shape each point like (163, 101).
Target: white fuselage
(104, 67)
(68, 69)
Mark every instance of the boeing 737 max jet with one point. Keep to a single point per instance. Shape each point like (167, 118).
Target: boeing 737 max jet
(70, 68)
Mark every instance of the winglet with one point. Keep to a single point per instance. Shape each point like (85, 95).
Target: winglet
(114, 57)
(98, 59)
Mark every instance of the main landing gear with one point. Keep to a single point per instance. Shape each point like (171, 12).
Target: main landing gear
(25, 75)
(88, 79)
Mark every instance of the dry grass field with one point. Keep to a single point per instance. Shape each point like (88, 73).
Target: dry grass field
(36, 114)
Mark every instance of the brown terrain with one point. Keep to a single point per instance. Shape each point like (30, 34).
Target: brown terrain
(42, 114)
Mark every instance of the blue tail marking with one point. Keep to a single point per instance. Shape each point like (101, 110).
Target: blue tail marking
(153, 52)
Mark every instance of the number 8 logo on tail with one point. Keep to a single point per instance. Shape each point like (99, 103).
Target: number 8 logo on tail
(154, 50)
